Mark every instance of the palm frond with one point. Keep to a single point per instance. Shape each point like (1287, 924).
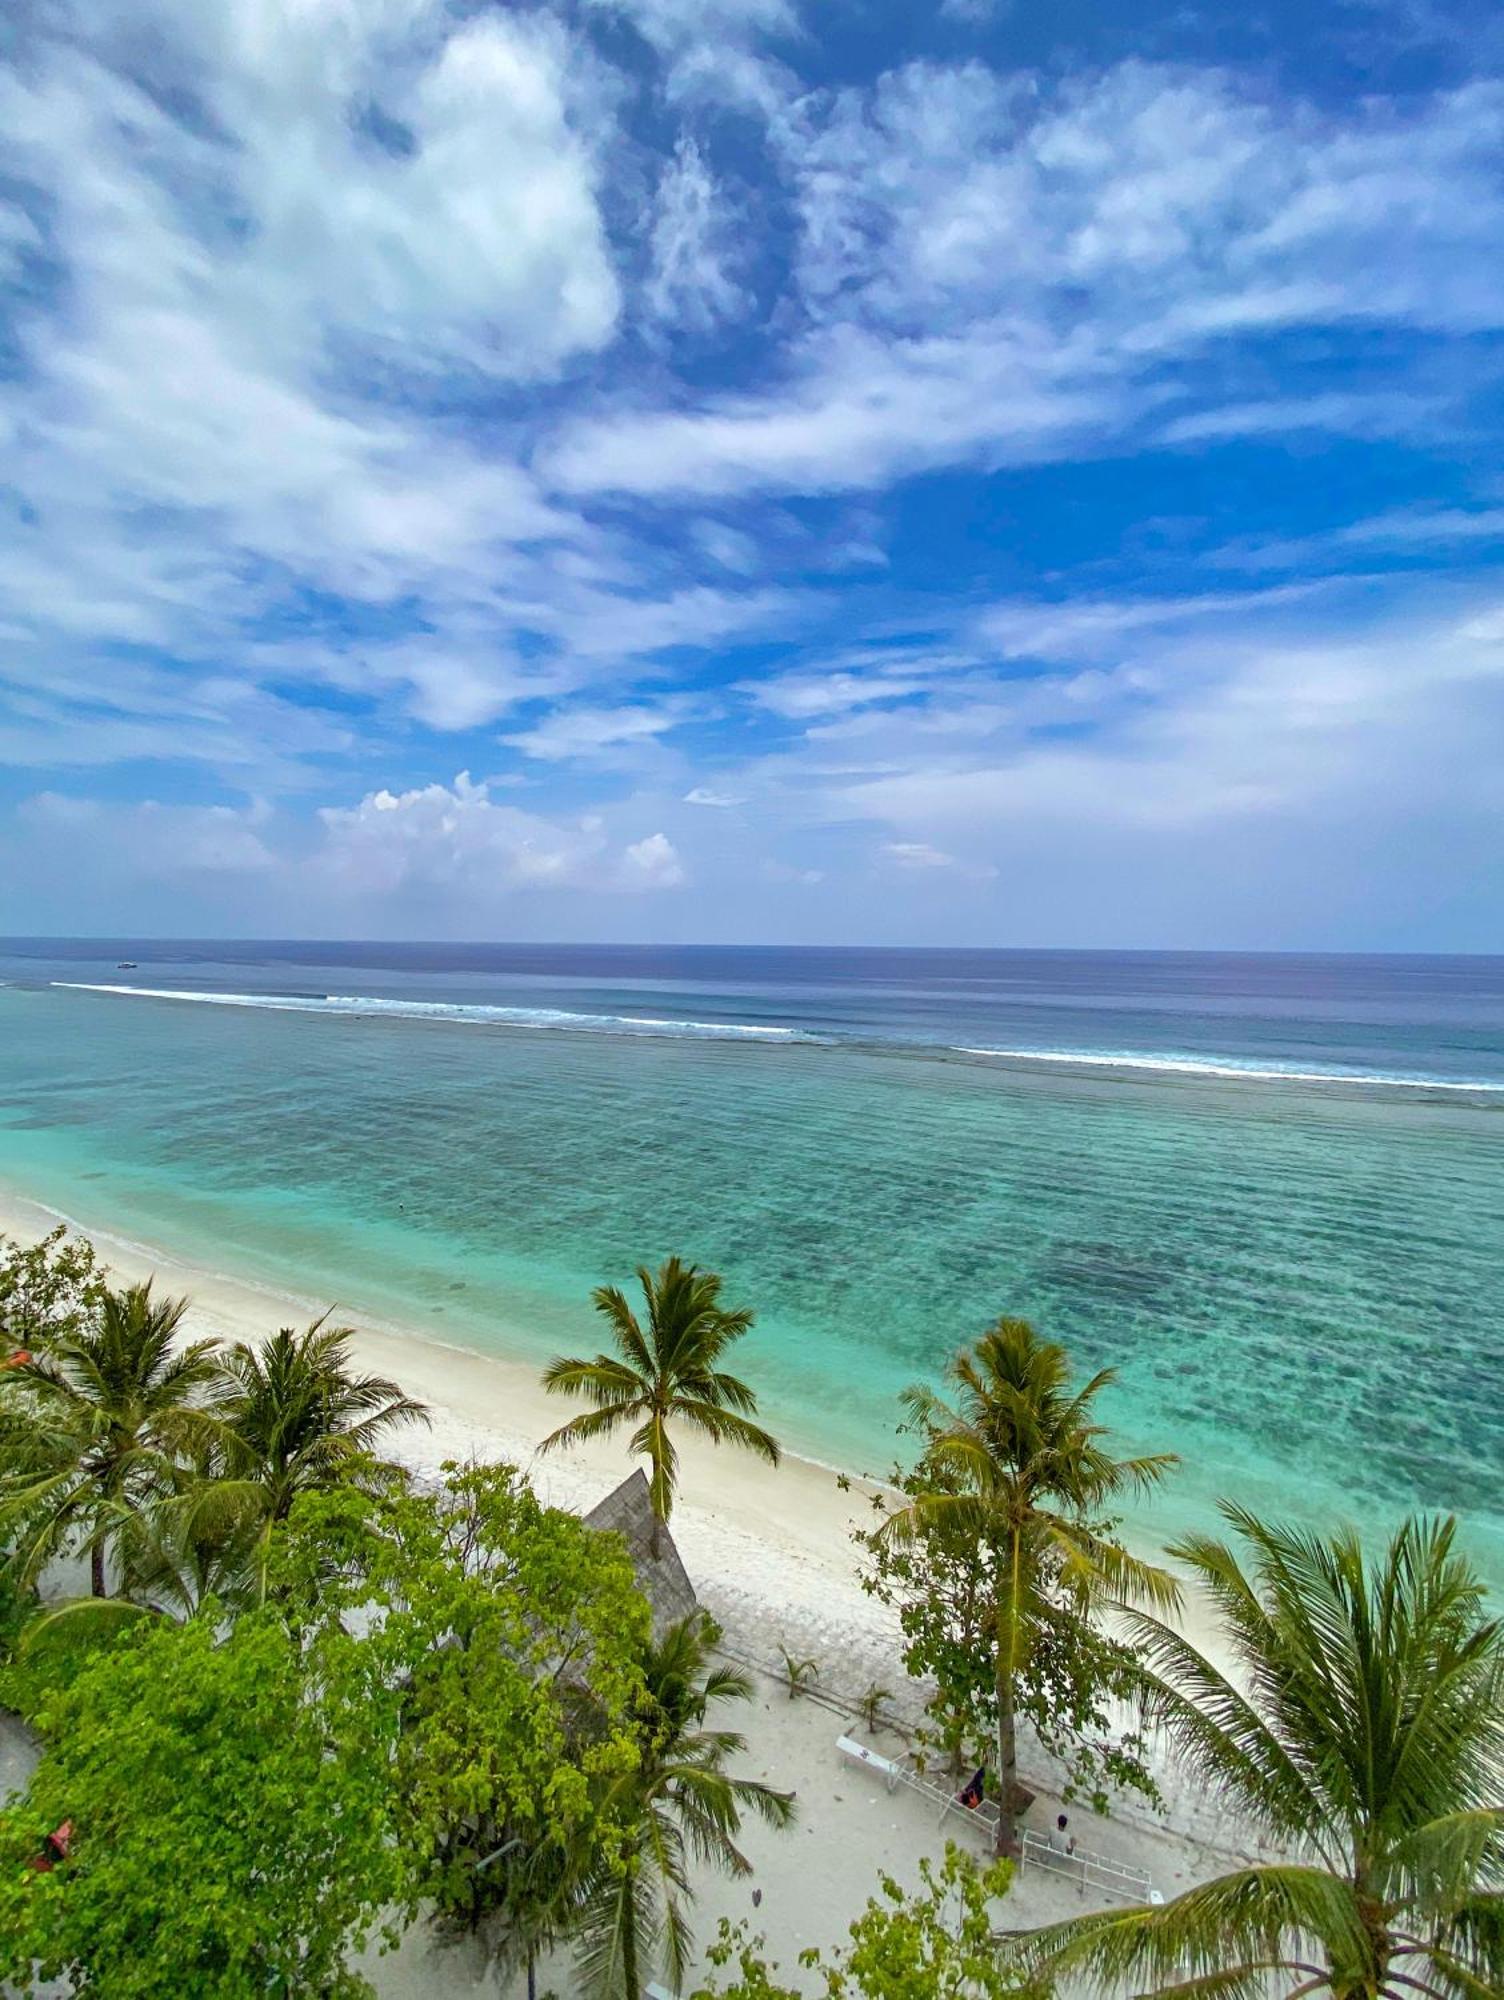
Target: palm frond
(1234, 1929)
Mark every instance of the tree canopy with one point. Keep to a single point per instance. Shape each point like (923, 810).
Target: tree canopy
(1018, 1474)
(431, 1674)
(663, 1376)
(1364, 1734)
(48, 1289)
(232, 1821)
(934, 1944)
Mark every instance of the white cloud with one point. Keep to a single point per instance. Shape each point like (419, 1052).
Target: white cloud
(1204, 732)
(1403, 530)
(801, 697)
(690, 283)
(149, 839)
(993, 271)
(463, 845)
(225, 405)
(917, 854)
(863, 411)
(674, 24)
(587, 732)
(1089, 628)
(653, 863)
(1354, 413)
(727, 547)
(345, 411)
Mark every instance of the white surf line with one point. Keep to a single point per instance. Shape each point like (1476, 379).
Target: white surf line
(1191, 1068)
(469, 1014)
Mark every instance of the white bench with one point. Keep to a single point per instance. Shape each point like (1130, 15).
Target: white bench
(869, 1759)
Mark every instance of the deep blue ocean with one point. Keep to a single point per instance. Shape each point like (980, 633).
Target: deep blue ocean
(1268, 1189)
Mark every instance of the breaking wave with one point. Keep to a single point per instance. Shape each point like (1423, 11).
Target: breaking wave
(1266, 1072)
(463, 1012)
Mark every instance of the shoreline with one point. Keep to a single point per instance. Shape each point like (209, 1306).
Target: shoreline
(757, 1541)
(768, 1553)
(768, 1550)
(753, 1538)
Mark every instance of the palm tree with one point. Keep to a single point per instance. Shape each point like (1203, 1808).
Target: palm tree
(1365, 1732)
(95, 1424)
(667, 1373)
(1020, 1471)
(294, 1417)
(175, 1558)
(678, 1803)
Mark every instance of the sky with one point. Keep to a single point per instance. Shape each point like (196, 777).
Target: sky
(771, 470)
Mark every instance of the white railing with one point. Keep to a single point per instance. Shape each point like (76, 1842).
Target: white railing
(894, 1774)
(1092, 1871)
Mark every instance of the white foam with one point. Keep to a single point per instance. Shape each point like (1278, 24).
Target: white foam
(472, 1014)
(1209, 1066)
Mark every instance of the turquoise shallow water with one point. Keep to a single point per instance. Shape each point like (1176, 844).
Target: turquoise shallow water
(1300, 1283)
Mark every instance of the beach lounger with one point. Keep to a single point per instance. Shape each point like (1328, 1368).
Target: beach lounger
(893, 1775)
(871, 1760)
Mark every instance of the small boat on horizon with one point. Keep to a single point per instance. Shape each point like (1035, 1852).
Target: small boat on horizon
(125, 965)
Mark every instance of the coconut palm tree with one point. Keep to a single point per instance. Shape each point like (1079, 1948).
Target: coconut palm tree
(94, 1424)
(664, 1374)
(1020, 1470)
(1363, 1730)
(174, 1557)
(294, 1417)
(678, 1804)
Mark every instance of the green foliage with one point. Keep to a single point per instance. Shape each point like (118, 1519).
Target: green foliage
(432, 1678)
(936, 1944)
(232, 1820)
(94, 1427)
(295, 1415)
(677, 1801)
(1010, 1556)
(871, 1703)
(49, 1290)
(945, 1587)
(17, 1604)
(799, 1675)
(666, 1374)
(1369, 1744)
(517, 1634)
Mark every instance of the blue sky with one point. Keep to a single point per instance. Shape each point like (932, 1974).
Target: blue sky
(717, 469)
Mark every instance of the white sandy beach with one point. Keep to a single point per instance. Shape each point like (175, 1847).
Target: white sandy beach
(769, 1553)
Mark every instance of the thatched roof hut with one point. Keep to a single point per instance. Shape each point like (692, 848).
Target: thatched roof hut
(628, 1512)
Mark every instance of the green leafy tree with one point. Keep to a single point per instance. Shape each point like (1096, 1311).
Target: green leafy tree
(1017, 1467)
(1076, 1680)
(516, 1634)
(663, 1375)
(676, 1804)
(92, 1427)
(233, 1821)
(1364, 1732)
(48, 1290)
(934, 1944)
